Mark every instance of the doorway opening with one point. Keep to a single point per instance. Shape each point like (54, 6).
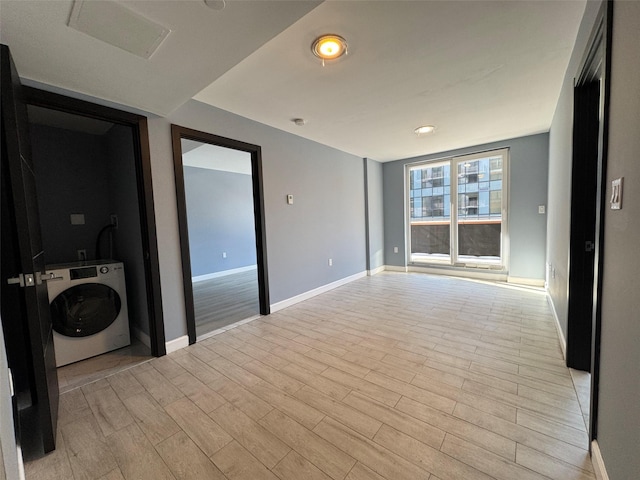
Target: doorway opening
(588, 187)
(220, 212)
(87, 191)
(96, 212)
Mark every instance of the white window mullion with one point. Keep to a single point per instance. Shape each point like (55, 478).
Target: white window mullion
(477, 227)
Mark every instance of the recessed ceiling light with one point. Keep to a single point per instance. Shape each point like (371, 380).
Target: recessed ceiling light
(299, 121)
(424, 130)
(329, 47)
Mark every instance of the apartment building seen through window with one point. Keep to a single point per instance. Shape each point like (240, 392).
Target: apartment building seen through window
(457, 210)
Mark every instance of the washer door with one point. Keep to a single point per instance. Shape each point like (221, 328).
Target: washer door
(85, 309)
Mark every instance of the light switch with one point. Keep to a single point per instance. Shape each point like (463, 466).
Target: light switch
(616, 193)
(289, 199)
(541, 209)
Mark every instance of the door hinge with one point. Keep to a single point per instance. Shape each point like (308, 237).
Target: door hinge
(27, 280)
(589, 246)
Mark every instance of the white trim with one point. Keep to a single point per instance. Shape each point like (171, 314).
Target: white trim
(218, 331)
(563, 342)
(598, 462)
(394, 268)
(375, 271)
(316, 291)
(140, 335)
(177, 344)
(224, 273)
(531, 282)
(480, 274)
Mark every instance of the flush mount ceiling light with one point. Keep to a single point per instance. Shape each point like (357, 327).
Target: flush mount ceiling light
(329, 47)
(424, 130)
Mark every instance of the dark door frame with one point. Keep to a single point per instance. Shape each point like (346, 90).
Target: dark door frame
(591, 95)
(177, 134)
(138, 124)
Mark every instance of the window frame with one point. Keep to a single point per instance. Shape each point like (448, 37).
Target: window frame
(453, 259)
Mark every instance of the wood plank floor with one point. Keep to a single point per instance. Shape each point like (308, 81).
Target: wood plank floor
(225, 300)
(396, 376)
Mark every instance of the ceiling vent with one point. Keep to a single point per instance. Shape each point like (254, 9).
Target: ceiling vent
(116, 25)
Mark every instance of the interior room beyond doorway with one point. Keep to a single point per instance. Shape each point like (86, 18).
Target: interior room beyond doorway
(218, 188)
(91, 230)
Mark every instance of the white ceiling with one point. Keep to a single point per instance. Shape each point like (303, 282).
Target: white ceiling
(480, 71)
(214, 157)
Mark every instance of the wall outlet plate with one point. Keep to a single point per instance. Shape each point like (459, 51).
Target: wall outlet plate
(77, 218)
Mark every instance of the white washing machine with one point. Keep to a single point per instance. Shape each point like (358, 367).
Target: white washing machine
(88, 303)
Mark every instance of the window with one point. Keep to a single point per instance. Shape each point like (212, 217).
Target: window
(459, 222)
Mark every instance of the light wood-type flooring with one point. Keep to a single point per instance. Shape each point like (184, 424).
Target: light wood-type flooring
(221, 301)
(396, 376)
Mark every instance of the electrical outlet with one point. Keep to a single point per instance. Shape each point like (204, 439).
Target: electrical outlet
(82, 254)
(77, 218)
(331, 262)
(114, 220)
(224, 254)
(395, 249)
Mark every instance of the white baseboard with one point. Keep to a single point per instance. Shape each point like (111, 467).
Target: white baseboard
(530, 282)
(224, 273)
(563, 341)
(598, 462)
(316, 291)
(140, 335)
(177, 344)
(394, 268)
(375, 271)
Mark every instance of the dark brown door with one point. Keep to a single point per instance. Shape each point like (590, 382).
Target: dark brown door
(584, 195)
(25, 305)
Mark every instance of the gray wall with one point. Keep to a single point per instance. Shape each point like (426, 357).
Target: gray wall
(123, 201)
(619, 408)
(325, 221)
(60, 158)
(375, 213)
(527, 189)
(619, 390)
(559, 182)
(220, 217)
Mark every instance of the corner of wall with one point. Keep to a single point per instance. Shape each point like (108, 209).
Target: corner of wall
(177, 344)
(556, 321)
(598, 462)
(375, 271)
